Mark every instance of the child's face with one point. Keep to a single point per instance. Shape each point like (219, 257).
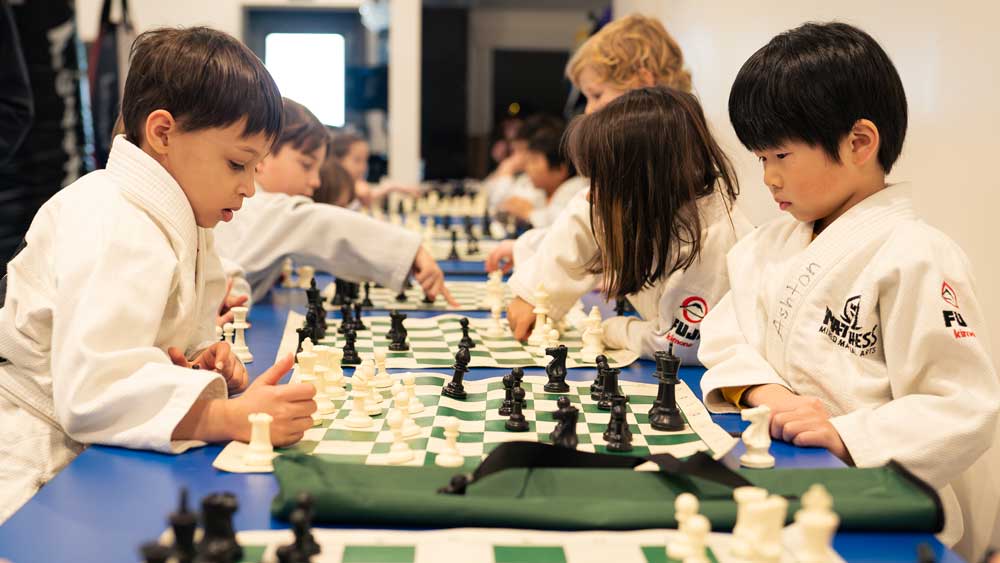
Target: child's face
(292, 171)
(543, 176)
(215, 169)
(356, 161)
(597, 92)
(805, 182)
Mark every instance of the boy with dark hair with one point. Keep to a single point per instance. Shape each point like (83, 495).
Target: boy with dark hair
(852, 319)
(113, 294)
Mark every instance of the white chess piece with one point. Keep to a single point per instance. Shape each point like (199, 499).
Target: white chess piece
(400, 451)
(286, 273)
(450, 456)
(414, 405)
(239, 348)
(410, 428)
(306, 274)
(766, 519)
(382, 379)
(260, 452)
(323, 403)
(358, 416)
(218, 333)
(593, 334)
(335, 379)
(538, 335)
(362, 383)
(818, 523)
(227, 333)
(697, 529)
(757, 438)
(496, 328)
(685, 506)
(305, 363)
(742, 546)
(553, 339)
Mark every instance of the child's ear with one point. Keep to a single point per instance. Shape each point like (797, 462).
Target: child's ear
(864, 142)
(159, 125)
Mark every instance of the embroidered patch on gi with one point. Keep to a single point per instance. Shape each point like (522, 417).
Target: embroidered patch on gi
(949, 295)
(694, 309)
(845, 330)
(958, 326)
(682, 332)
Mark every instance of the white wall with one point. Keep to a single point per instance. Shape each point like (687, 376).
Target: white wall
(949, 61)
(404, 90)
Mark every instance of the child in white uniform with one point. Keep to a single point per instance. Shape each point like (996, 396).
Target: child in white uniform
(113, 295)
(852, 319)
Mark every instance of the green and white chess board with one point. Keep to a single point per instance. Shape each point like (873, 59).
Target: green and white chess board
(434, 343)
(491, 545)
(482, 428)
(471, 296)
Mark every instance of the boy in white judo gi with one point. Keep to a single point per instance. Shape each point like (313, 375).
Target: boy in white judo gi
(113, 295)
(856, 322)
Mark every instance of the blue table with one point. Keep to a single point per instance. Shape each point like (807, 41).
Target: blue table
(110, 500)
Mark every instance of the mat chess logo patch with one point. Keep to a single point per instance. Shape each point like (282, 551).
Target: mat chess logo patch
(949, 295)
(845, 330)
(682, 332)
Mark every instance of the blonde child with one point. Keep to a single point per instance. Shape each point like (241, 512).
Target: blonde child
(855, 321)
(114, 292)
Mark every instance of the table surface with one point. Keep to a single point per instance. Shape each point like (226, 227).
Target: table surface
(110, 500)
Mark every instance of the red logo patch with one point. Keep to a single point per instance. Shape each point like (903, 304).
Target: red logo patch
(949, 295)
(694, 309)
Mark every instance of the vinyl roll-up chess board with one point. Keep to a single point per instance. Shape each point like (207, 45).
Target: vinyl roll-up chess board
(471, 296)
(434, 342)
(493, 545)
(482, 427)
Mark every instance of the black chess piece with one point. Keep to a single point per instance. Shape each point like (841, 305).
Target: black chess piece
(219, 537)
(561, 403)
(301, 519)
(564, 434)
(597, 387)
(455, 389)
(506, 406)
(664, 414)
(351, 357)
(401, 296)
(183, 523)
(427, 300)
(618, 435)
(556, 370)
(353, 290)
(453, 254)
(516, 422)
(610, 390)
(338, 296)
(367, 301)
(398, 331)
(517, 374)
(358, 323)
(623, 307)
(347, 318)
(466, 340)
(154, 552)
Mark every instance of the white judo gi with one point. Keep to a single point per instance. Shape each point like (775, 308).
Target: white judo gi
(878, 318)
(670, 311)
(271, 226)
(114, 271)
(546, 212)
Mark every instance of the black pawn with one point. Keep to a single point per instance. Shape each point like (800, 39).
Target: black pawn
(517, 374)
(183, 523)
(664, 415)
(466, 340)
(367, 302)
(347, 319)
(618, 435)
(556, 370)
(301, 519)
(219, 537)
(455, 389)
(427, 300)
(351, 357)
(453, 255)
(358, 323)
(401, 296)
(610, 389)
(506, 407)
(516, 422)
(597, 387)
(154, 552)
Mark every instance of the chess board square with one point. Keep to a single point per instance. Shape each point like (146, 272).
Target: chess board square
(460, 414)
(467, 437)
(528, 554)
(378, 554)
(670, 439)
(343, 447)
(498, 426)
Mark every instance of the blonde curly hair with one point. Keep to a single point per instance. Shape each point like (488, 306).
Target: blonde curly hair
(621, 49)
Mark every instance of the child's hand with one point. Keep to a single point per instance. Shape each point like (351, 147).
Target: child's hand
(778, 397)
(502, 257)
(430, 277)
(291, 406)
(228, 302)
(518, 207)
(810, 426)
(521, 318)
(218, 358)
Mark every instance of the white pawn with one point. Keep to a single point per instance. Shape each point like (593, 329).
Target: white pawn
(553, 339)
(358, 417)
(382, 379)
(538, 335)
(818, 524)
(335, 379)
(400, 451)
(218, 333)
(260, 452)
(374, 402)
(286, 273)
(450, 456)
(685, 506)
(757, 438)
(742, 545)
(415, 405)
(361, 384)
(227, 333)
(410, 428)
(323, 403)
(593, 335)
(697, 529)
(496, 328)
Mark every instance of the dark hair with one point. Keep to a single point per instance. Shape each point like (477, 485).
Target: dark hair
(812, 84)
(341, 142)
(204, 78)
(538, 122)
(334, 183)
(649, 156)
(547, 140)
(302, 130)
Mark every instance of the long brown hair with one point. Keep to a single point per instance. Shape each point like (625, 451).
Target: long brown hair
(649, 156)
